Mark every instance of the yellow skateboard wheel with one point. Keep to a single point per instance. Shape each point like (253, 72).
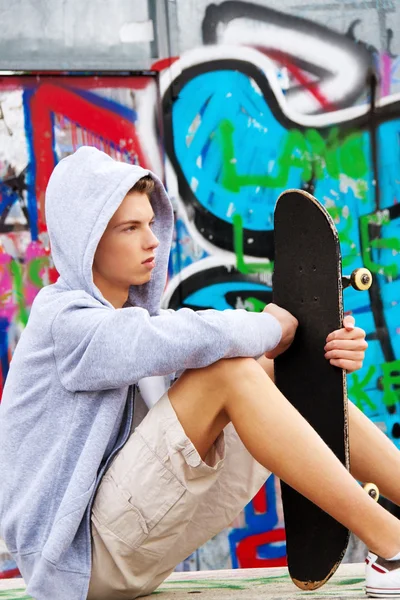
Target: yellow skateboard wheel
(361, 279)
(372, 490)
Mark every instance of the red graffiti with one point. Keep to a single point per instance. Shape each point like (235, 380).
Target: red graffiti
(260, 501)
(246, 550)
(51, 98)
(305, 81)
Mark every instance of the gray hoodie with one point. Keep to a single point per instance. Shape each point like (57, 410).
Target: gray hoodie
(68, 399)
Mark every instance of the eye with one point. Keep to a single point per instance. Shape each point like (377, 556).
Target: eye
(131, 228)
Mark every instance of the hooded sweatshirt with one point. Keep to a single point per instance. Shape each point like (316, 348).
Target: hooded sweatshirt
(68, 399)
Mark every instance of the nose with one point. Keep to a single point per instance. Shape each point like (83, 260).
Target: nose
(152, 241)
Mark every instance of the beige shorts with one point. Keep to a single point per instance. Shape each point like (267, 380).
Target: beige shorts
(158, 502)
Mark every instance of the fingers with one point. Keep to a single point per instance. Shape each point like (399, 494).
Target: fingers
(345, 355)
(348, 365)
(349, 344)
(345, 348)
(347, 334)
(349, 322)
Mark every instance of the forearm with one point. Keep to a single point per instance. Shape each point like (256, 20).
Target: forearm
(107, 349)
(268, 366)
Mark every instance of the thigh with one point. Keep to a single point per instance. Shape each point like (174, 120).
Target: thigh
(199, 398)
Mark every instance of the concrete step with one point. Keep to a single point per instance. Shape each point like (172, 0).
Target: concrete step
(238, 584)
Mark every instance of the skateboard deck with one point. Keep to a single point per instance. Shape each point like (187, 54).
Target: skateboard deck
(307, 282)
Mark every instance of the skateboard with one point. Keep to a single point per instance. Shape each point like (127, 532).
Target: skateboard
(308, 282)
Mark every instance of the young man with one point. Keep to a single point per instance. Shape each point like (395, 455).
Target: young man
(98, 502)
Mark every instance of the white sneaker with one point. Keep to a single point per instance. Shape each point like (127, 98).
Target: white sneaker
(382, 577)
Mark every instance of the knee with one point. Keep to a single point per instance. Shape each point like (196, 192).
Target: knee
(229, 371)
(223, 378)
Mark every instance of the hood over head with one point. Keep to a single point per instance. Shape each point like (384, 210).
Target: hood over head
(84, 191)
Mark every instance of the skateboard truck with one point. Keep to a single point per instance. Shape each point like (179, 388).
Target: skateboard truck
(360, 279)
(372, 490)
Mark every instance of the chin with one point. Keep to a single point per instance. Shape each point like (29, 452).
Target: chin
(141, 280)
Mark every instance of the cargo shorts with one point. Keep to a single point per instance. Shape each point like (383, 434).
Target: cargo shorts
(159, 501)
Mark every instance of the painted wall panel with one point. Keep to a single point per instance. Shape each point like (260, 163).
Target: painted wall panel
(256, 97)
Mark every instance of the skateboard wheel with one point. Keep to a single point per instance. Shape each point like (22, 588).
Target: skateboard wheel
(372, 490)
(361, 279)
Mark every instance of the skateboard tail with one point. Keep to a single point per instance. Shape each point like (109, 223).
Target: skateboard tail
(314, 585)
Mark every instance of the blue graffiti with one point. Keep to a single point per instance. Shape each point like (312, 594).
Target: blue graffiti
(257, 136)
(215, 295)
(183, 251)
(31, 171)
(259, 523)
(350, 194)
(4, 346)
(8, 197)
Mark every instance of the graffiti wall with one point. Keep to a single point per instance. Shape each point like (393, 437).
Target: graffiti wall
(262, 96)
(263, 101)
(42, 119)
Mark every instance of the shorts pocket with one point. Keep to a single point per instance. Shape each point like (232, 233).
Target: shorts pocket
(112, 510)
(153, 489)
(131, 502)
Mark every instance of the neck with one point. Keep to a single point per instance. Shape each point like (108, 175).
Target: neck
(117, 296)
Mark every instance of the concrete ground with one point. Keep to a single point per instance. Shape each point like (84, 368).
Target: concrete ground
(239, 584)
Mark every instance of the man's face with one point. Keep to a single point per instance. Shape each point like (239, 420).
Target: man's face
(127, 243)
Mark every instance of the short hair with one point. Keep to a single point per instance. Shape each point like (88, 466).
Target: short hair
(145, 185)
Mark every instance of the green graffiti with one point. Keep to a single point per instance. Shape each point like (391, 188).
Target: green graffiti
(357, 391)
(220, 584)
(15, 594)
(391, 377)
(379, 219)
(34, 267)
(344, 235)
(308, 151)
(315, 156)
(16, 270)
(229, 175)
(254, 305)
(241, 266)
(353, 161)
(361, 189)
(21, 273)
(350, 581)
(204, 584)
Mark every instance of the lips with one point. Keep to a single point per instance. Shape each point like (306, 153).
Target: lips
(149, 260)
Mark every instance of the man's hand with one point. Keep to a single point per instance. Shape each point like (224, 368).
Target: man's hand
(289, 325)
(345, 348)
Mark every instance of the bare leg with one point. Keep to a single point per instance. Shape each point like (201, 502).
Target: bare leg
(373, 457)
(278, 437)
